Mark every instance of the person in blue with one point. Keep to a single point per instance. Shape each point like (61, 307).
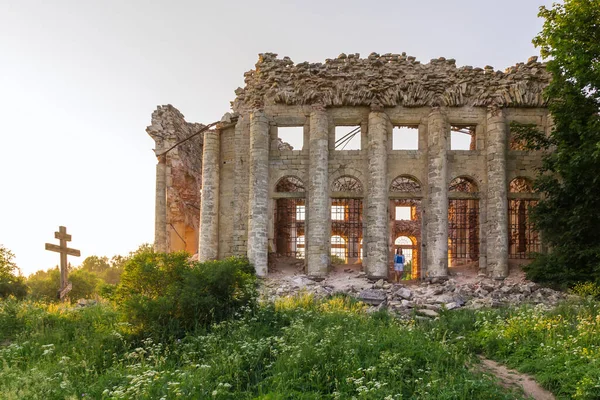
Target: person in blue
(399, 265)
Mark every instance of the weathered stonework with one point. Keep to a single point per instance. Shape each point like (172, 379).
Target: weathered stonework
(216, 193)
(177, 222)
(497, 201)
(258, 240)
(377, 215)
(160, 224)
(317, 252)
(209, 214)
(390, 80)
(437, 213)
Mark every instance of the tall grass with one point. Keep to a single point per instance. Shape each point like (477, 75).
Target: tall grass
(298, 348)
(559, 346)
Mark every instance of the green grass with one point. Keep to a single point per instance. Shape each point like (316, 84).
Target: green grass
(295, 349)
(560, 346)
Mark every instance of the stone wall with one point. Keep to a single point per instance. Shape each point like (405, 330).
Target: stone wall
(395, 89)
(183, 177)
(389, 80)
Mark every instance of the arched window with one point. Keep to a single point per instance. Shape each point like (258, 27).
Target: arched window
(403, 240)
(405, 184)
(463, 184)
(463, 221)
(346, 184)
(290, 215)
(523, 239)
(520, 185)
(289, 184)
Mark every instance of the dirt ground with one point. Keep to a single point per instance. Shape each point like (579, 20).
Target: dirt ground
(511, 378)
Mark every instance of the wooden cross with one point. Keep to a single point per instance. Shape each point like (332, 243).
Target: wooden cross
(63, 237)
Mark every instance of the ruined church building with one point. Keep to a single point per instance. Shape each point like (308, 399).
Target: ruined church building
(345, 161)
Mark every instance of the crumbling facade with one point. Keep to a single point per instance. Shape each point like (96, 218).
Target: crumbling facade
(238, 189)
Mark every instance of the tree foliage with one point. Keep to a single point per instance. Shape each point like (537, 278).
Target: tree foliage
(569, 214)
(11, 281)
(96, 276)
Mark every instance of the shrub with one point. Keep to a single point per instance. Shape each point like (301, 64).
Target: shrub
(554, 270)
(164, 294)
(587, 289)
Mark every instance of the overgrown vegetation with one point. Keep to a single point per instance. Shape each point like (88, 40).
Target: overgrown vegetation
(165, 294)
(297, 348)
(180, 328)
(567, 215)
(560, 347)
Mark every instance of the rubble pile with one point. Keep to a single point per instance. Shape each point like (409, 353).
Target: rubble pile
(425, 299)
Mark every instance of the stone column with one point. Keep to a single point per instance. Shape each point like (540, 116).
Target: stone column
(258, 240)
(318, 235)
(160, 210)
(377, 212)
(497, 201)
(437, 213)
(240, 188)
(208, 242)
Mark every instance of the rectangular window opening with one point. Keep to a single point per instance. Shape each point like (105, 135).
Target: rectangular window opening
(338, 213)
(403, 213)
(290, 137)
(462, 138)
(347, 137)
(405, 138)
(300, 213)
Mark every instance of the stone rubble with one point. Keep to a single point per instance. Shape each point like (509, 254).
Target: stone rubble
(390, 80)
(424, 299)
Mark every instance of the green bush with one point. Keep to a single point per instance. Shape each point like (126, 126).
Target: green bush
(164, 294)
(585, 289)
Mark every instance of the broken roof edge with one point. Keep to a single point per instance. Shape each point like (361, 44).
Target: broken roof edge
(390, 80)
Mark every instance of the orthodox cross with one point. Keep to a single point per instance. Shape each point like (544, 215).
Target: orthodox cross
(63, 237)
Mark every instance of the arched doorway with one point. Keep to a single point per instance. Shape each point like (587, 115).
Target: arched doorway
(405, 222)
(410, 251)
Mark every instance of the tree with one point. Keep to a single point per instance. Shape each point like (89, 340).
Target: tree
(95, 264)
(43, 285)
(11, 281)
(568, 216)
(85, 284)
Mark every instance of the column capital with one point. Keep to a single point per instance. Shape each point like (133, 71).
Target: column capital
(437, 110)
(379, 113)
(318, 108)
(376, 107)
(495, 111)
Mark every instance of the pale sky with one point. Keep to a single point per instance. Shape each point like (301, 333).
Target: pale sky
(80, 79)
